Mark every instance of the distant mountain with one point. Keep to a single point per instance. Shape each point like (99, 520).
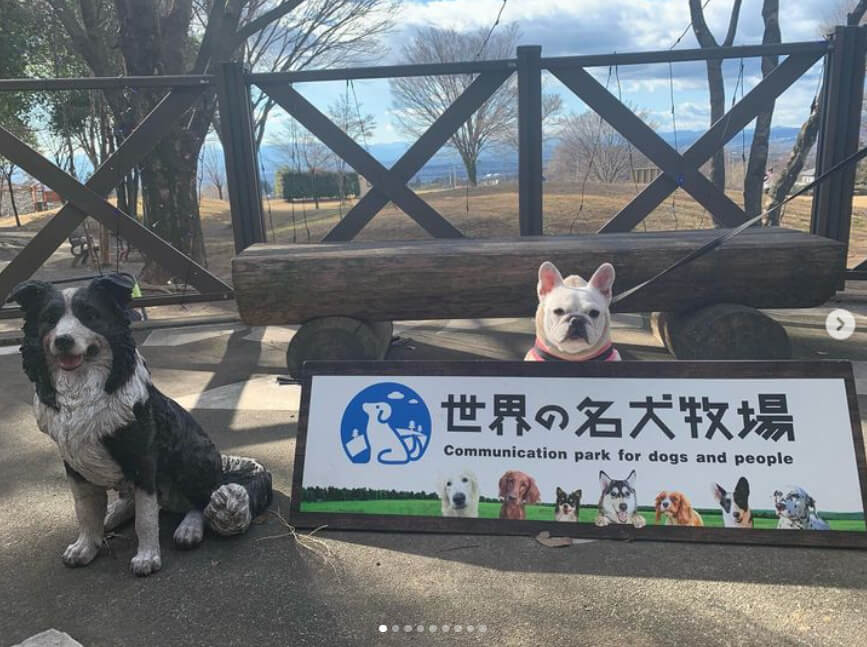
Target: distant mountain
(447, 163)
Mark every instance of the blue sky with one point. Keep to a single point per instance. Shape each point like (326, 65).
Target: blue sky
(564, 27)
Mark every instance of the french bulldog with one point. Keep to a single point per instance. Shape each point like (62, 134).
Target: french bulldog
(573, 322)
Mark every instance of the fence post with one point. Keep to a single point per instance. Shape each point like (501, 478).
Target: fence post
(530, 140)
(839, 132)
(239, 149)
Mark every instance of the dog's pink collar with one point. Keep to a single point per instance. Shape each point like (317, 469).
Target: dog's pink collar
(542, 354)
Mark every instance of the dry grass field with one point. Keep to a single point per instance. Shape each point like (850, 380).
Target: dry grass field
(492, 212)
(481, 212)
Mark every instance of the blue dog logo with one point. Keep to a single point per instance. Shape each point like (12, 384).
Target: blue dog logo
(388, 422)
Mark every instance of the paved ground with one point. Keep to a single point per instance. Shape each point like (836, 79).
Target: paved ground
(263, 589)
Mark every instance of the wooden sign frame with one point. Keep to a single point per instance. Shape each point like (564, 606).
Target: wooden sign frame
(669, 369)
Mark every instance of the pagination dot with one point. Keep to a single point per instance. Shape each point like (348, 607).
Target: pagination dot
(382, 629)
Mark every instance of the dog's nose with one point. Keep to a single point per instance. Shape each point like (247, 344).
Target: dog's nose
(665, 504)
(64, 343)
(460, 498)
(623, 507)
(736, 515)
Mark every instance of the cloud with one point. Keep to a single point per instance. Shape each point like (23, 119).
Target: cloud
(396, 395)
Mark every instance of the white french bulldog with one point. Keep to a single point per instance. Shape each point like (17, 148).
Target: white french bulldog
(573, 322)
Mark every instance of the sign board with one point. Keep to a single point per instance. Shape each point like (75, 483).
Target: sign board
(754, 452)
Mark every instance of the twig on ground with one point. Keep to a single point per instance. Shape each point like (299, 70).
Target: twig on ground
(315, 545)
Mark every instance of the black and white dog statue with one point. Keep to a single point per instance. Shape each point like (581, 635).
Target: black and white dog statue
(115, 430)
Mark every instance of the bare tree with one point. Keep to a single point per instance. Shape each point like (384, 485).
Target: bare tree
(346, 113)
(589, 146)
(319, 33)
(214, 169)
(755, 175)
(418, 101)
(716, 85)
(806, 137)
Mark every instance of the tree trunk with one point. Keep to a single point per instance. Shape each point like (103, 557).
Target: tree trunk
(754, 179)
(801, 150)
(219, 191)
(806, 139)
(717, 110)
(471, 166)
(12, 198)
(171, 206)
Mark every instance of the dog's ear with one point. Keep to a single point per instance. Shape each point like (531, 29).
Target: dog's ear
(474, 484)
(659, 498)
(718, 491)
(742, 489)
(503, 486)
(117, 287)
(811, 503)
(630, 480)
(549, 278)
(604, 480)
(533, 495)
(560, 492)
(577, 494)
(603, 279)
(30, 294)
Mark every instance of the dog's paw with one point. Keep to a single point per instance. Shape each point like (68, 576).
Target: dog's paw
(190, 531)
(145, 563)
(602, 521)
(638, 521)
(80, 553)
(228, 512)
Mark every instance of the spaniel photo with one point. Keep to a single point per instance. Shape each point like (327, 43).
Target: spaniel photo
(516, 490)
(459, 495)
(676, 509)
(116, 431)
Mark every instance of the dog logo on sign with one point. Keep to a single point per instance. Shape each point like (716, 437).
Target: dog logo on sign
(387, 423)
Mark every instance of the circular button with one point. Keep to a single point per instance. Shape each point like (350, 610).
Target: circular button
(840, 324)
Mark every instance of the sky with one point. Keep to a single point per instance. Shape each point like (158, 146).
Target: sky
(571, 27)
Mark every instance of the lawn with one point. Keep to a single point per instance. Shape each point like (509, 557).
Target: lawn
(431, 508)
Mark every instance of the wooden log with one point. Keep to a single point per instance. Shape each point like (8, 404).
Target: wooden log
(338, 338)
(723, 331)
(441, 279)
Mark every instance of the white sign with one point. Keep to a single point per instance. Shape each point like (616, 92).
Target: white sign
(737, 452)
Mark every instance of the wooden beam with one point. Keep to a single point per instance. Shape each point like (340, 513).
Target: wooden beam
(414, 159)
(140, 142)
(470, 278)
(741, 114)
(656, 149)
(90, 203)
(362, 161)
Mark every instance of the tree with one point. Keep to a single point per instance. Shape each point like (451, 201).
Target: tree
(754, 179)
(214, 169)
(419, 101)
(716, 85)
(303, 152)
(346, 113)
(147, 37)
(16, 42)
(806, 139)
(320, 33)
(589, 146)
